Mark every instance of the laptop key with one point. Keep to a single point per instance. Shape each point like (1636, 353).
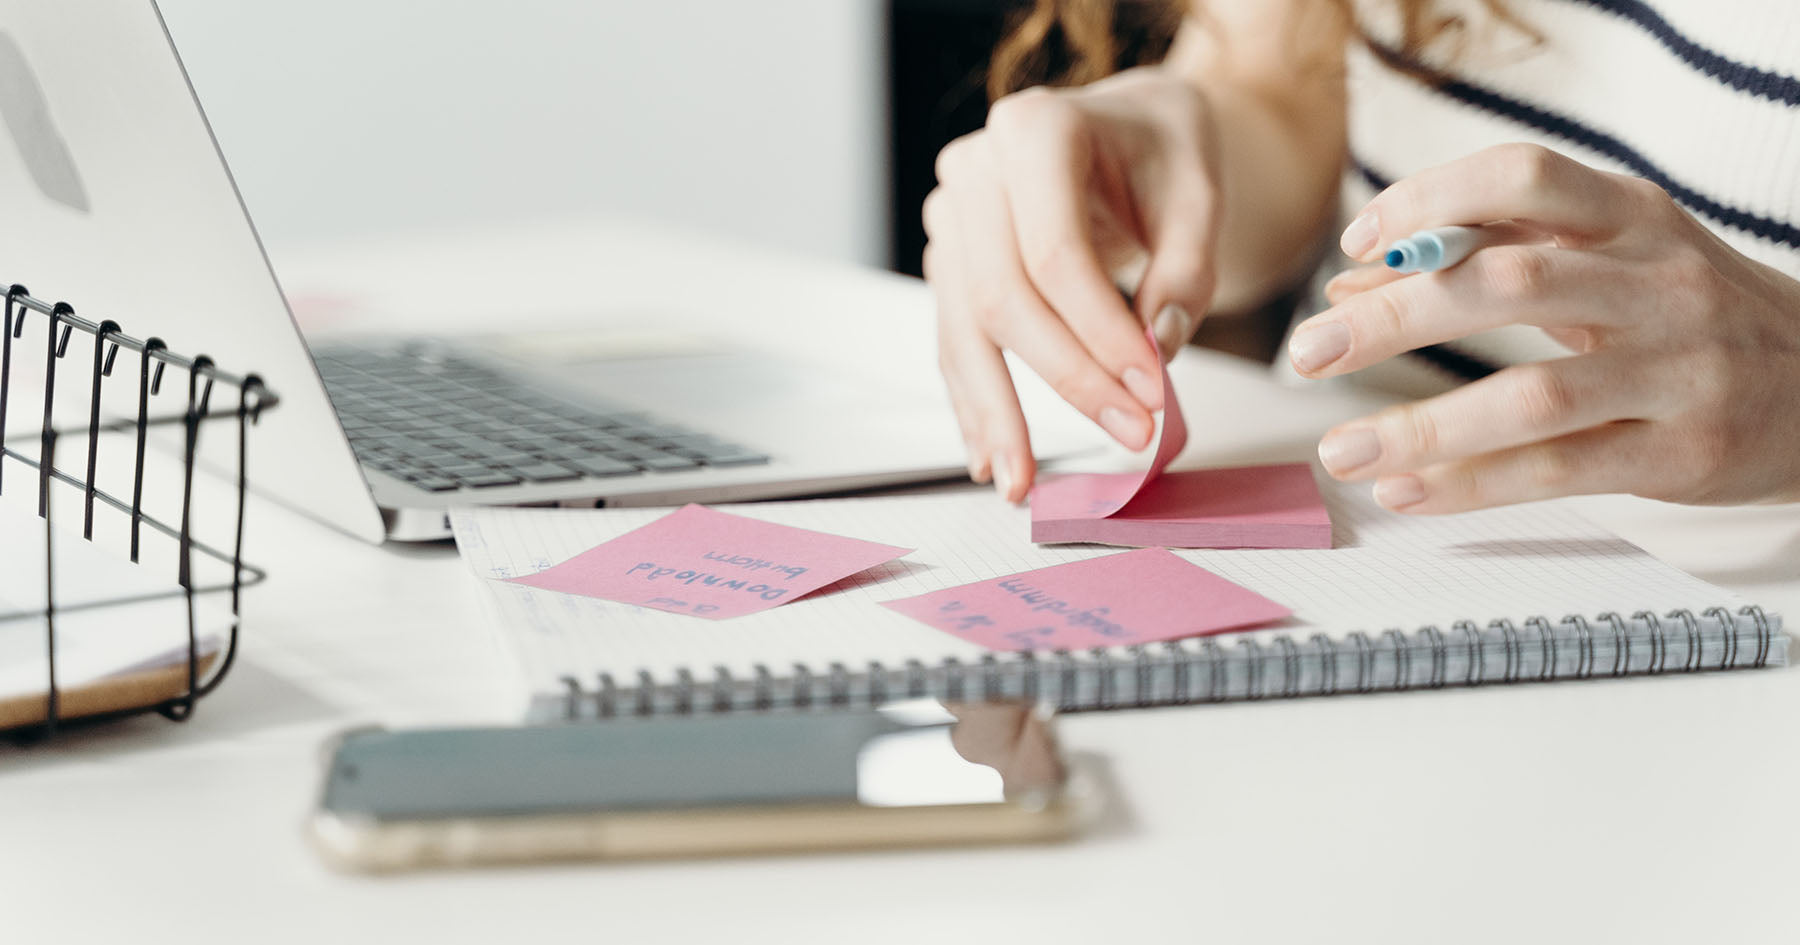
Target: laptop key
(546, 472)
(663, 462)
(435, 483)
(488, 479)
(736, 458)
(602, 466)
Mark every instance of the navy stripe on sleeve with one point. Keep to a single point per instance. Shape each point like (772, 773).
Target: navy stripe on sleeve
(1575, 132)
(1745, 78)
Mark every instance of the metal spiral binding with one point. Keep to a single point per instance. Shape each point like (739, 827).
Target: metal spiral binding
(572, 696)
(1402, 659)
(1440, 658)
(1764, 633)
(1065, 675)
(1547, 649)
(723, 689)
(764, 688)
(1659, 646)
(1621, 643)
(838, 685)
(1253, 667)
(915, 679)
(606, 697)
(1215, 660)
(1723, 616)
(1065, 679)
(1515, 660)
(646, 693)
(1290, 666)
(1365, 659)
(1477, 654)
(990, 677)
(1692, 662)
(953, 679)
(1327, 664)
(1179, 664)
(1584, 637)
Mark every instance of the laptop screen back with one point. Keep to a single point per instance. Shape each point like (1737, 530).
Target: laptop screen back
(119, 202)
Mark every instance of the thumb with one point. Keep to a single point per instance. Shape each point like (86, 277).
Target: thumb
(1177, 287)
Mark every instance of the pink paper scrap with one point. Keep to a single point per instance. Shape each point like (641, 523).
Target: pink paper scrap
(1244, 507)
(706, 563)
(1115, 600)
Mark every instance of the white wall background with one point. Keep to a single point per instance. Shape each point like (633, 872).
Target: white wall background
(759, 120)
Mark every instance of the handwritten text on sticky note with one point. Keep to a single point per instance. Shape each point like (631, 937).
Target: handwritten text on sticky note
(1116, 600)
(712, 564)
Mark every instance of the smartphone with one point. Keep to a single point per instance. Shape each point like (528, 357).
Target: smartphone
(907, 774)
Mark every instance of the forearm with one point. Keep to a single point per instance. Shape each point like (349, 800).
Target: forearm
(1277, 110)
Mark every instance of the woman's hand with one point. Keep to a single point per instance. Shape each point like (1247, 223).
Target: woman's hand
(1684, 384)
(1031, 217)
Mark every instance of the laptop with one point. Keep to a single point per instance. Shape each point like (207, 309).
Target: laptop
(119, 200)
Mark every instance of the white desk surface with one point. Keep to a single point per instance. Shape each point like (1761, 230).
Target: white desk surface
(1637, 810)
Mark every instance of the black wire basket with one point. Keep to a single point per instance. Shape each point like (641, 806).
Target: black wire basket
(125, 444)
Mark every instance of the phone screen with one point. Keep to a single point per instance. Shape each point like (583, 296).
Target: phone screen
(906, 755)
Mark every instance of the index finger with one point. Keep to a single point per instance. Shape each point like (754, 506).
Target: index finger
(1046, 181)
(1523, 183)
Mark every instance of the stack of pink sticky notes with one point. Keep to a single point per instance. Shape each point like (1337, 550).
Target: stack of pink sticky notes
(1245, 507)
(706, 563)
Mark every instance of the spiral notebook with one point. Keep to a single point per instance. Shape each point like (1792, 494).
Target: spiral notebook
(1507, 595)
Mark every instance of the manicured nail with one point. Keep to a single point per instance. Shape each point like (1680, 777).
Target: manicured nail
(1399, 492)
(1360, 236)
(1174, 326)
(1003, 479)
(1147, 389)
(1124, 427)
(1347, 450)
(1316, 346)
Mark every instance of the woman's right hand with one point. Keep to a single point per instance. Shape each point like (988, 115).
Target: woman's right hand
(1031, 218)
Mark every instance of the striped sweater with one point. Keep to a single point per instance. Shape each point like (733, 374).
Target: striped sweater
(1700, 96)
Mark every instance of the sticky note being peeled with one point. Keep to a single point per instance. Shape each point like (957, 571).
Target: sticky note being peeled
(1116, 600)
(706, 563)
(1245, 507)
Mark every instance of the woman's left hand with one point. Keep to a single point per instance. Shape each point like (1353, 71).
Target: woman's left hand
(1684, 383)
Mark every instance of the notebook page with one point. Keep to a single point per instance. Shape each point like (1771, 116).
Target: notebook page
(1386, 571)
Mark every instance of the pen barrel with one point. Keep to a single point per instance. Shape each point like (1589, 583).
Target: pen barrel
(1434, 249)
(1453, 244)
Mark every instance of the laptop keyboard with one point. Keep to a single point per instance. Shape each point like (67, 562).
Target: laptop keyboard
(445, 423)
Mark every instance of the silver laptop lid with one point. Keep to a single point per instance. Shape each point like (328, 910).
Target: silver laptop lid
(118, 201)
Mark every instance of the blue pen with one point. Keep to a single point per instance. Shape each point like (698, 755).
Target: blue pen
(1431, 250)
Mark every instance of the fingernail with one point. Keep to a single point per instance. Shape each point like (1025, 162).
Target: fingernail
(1314, 347)
(1347, 450)
(1399, 492)
(977, 475)
(1360, 236)
(1173, 326)
(1124, 427)
(1146, 389)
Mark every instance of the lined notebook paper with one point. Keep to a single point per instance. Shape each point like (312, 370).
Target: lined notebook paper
(1521, 593)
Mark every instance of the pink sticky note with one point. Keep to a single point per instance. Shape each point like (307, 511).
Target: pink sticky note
(1242, 507)
(1245, 507)
(712, 564)
(1117, 600)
